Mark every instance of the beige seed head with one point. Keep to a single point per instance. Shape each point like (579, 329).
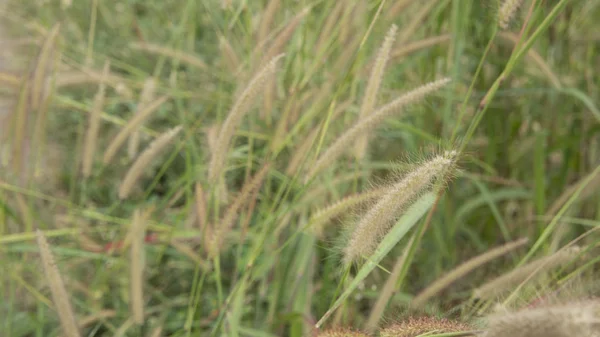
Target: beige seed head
(376, 222)
(57, 288)
(91, 136)
(136, 170)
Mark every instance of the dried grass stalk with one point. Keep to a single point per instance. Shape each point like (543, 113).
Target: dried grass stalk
(57, 288)
(91, 136)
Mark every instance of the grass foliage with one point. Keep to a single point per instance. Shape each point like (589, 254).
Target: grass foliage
(299, 168)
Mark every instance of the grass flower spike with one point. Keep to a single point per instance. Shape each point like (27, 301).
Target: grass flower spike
(375, 224)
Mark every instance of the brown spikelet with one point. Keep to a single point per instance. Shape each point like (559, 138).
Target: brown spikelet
(370, 98)
(216, 235)
(137, 256)
(239, 109)
(57, 287)
(144, 159)
(133, 123)
(371, 122)
(520, 274)
(145, 97)
(282, 38)
(91, 136)
(417, 326)
(463, 270)
(376, 222)
(571, 320)
(507, 12)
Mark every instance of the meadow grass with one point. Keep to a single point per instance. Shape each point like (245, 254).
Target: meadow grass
(254, 168)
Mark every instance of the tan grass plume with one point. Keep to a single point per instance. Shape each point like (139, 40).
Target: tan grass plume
(370, 98)
(137, 256)
(91, 136)
(136, 170)
(130, 127)
(373, 226)
(462, 270)
(371, 122)
(239, 109)
(569, 320)
(506, 281)
(57, 288)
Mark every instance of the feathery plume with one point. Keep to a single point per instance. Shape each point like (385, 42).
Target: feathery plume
(91, 136)
(145, 97)
(239, 109)
(133, 123)
(507, 12)
(178, 55)
(520, 274)
(144, 159)
(577, 319)
(341, 332)
(377, 221)
(371, 122)
(216, 234)
(370, 98)
(57, 288)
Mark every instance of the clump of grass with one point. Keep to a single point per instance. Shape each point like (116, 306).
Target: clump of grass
(368, 124)
(569, 320)
(376, 222)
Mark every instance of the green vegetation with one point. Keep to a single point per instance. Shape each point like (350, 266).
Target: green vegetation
(296, 168)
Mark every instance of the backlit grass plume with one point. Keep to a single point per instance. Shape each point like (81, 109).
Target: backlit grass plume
(376, 222)
(507, 11)
(239, 109)
(370, 99)
(417, 326)
(368, 124)
(571, 320)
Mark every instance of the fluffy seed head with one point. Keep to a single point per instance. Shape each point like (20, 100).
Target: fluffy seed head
(375, 224)
(416, 326)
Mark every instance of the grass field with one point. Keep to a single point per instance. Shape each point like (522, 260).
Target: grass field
(299, 168)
